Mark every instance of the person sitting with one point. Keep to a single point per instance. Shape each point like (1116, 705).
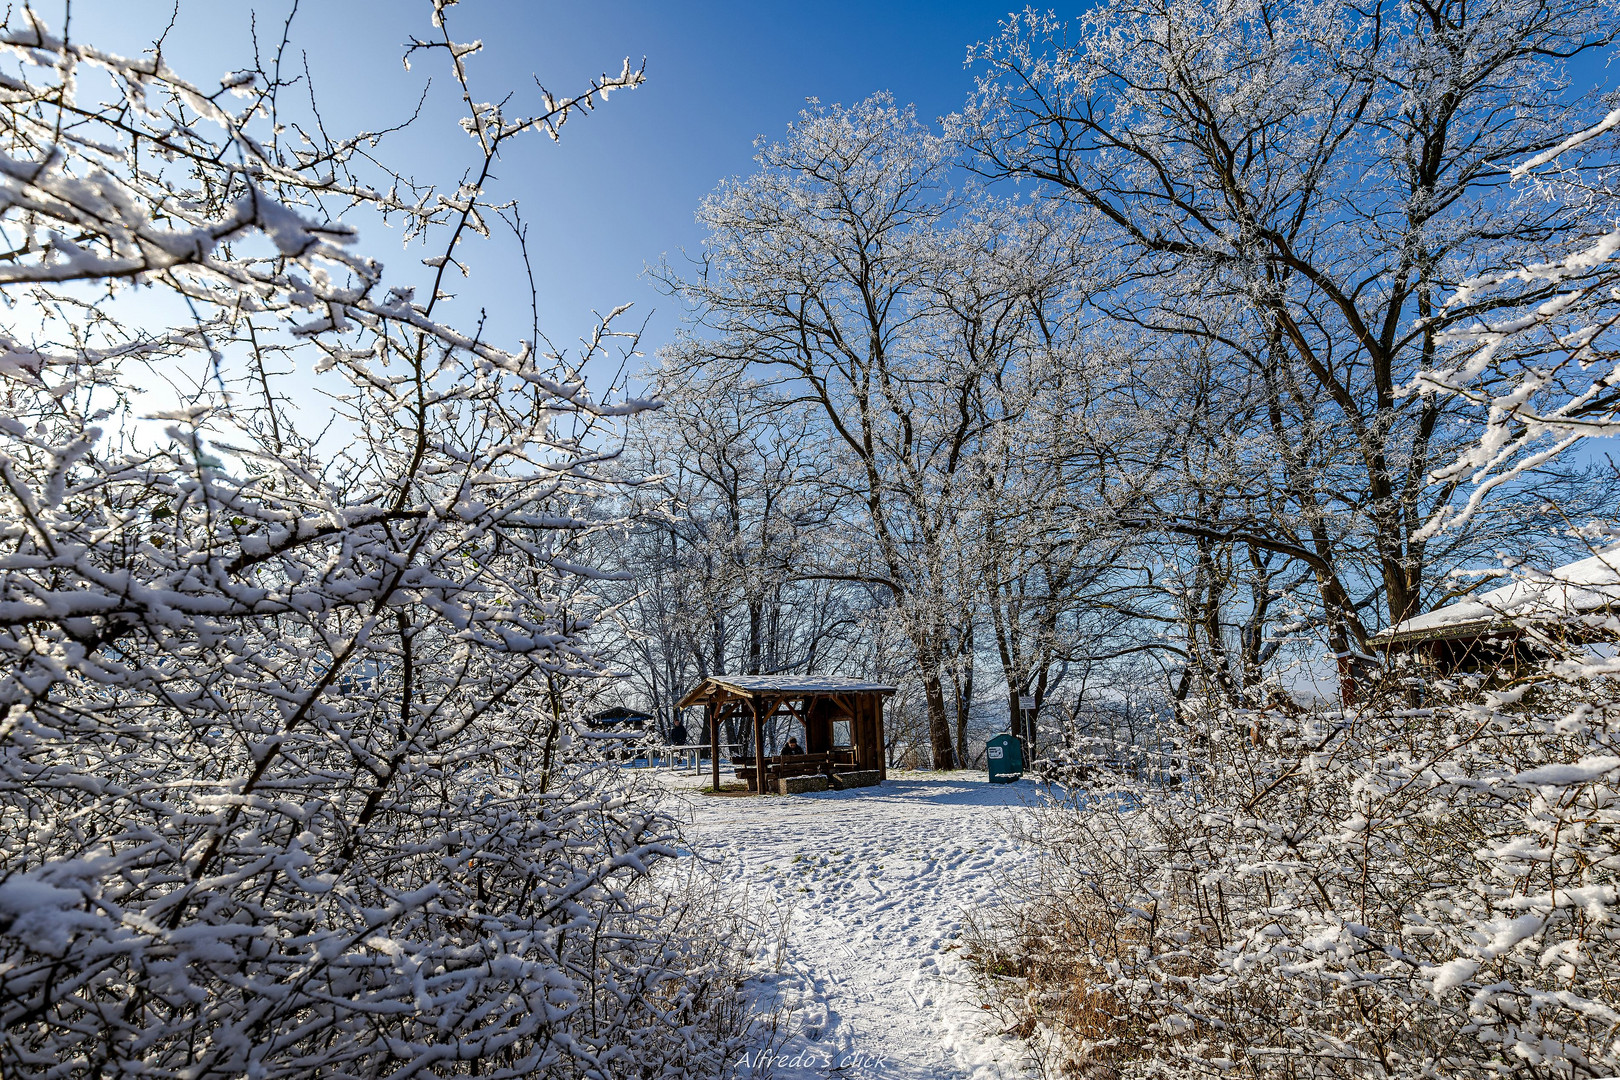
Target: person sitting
(792, 746)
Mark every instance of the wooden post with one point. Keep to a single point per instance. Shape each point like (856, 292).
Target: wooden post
(874, 752)
(877, 725)
(712, 714)
(1347, 682)
(859, 735)
(759, 748)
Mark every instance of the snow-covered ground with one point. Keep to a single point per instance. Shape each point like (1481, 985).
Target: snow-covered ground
(864, 892)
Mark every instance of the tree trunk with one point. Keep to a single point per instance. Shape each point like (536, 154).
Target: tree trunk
(939, 728)
(962, 684)
(964, 707)
(756, 626)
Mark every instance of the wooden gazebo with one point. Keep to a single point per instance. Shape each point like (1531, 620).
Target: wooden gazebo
(818, 702)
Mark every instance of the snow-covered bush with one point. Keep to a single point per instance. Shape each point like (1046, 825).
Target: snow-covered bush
(1384, 892)
(282, 777)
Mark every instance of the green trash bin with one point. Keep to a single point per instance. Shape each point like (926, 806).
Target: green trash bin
(1005, 755)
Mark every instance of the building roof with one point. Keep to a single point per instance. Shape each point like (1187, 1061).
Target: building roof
(1588, 585)
(752, 686)
(620, 712)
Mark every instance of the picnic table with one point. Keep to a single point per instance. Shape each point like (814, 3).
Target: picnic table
(797, 765)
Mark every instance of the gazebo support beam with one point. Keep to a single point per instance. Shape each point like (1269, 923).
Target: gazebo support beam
(759, 748)
(713, 715)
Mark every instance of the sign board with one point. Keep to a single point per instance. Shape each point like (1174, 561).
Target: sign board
(1026, 702)
(994, 753)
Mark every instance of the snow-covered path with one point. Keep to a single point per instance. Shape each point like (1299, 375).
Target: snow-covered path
(869, 889)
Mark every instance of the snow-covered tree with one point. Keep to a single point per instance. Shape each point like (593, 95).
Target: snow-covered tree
(725, 528)
(812, 269)
(1323, 175)
(281, 759)
(932, 331)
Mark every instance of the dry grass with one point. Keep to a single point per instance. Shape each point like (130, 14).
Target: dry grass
(1048, 974)
(730, 790)
(1078, 963)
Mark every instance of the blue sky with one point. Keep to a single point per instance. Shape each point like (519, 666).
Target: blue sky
(619, 191)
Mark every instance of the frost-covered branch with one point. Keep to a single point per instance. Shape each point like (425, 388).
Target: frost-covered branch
(287, 689)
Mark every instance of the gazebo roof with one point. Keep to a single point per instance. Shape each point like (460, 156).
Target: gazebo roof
(1577, 589)
(801, 686)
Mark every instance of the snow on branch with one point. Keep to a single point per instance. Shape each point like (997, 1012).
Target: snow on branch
(287, 692)
(1547, 372)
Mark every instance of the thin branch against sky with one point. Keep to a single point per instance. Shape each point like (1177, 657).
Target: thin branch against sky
(622, 196)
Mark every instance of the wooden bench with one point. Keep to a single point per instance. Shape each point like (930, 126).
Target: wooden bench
(780, 765)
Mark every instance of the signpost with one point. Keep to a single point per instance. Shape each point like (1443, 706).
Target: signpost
(1026, 721)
